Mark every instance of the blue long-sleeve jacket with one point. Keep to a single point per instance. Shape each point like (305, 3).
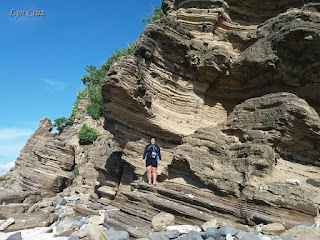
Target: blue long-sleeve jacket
(149, 149)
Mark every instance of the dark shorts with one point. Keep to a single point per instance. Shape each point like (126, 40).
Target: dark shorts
(152, 162)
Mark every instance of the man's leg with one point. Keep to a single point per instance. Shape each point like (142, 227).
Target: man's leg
(154, 174)
(149, 170)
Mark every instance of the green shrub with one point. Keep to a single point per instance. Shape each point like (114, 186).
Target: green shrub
(81, 94)
(198, 54)
(96, 76)
(95, 79)
(95, 107)
(76, 170)
(156, 14)
(87, 135)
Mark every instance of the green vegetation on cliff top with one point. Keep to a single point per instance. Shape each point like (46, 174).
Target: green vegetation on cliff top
(94, 79)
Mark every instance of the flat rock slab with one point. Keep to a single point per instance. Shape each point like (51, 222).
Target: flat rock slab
(184, 228)
(32, 220)
(18, 197)
(12, 209)
(84, 210)
(273, 228)
(303, 233)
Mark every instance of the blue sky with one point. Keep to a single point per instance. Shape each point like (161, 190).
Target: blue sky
(42, 58)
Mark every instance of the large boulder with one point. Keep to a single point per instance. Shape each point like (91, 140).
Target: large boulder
(112, 234)
(15, 236)
(213, 223)
(4, 225)
(96, 233)
(161, 221)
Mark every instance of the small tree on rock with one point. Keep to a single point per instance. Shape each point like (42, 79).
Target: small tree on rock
(87, 135)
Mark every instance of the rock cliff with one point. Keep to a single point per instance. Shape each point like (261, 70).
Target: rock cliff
(230, 90)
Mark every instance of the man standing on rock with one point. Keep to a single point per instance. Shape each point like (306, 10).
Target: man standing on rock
(151, 155)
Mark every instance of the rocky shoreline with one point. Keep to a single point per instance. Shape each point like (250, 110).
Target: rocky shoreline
(79, 218)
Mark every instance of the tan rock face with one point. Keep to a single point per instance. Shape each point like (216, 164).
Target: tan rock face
(239, 155)
(46, 163)
(43, 162)
(203, 63)
(231, 96)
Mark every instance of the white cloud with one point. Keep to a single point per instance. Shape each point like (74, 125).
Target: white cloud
(54, 84)
(6, 167)
(30, 122)
(12, 140)
(9, 151)
(7, 134)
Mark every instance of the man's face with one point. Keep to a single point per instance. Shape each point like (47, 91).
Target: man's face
(153, 141)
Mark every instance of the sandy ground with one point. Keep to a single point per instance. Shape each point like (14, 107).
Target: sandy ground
(39, 233)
